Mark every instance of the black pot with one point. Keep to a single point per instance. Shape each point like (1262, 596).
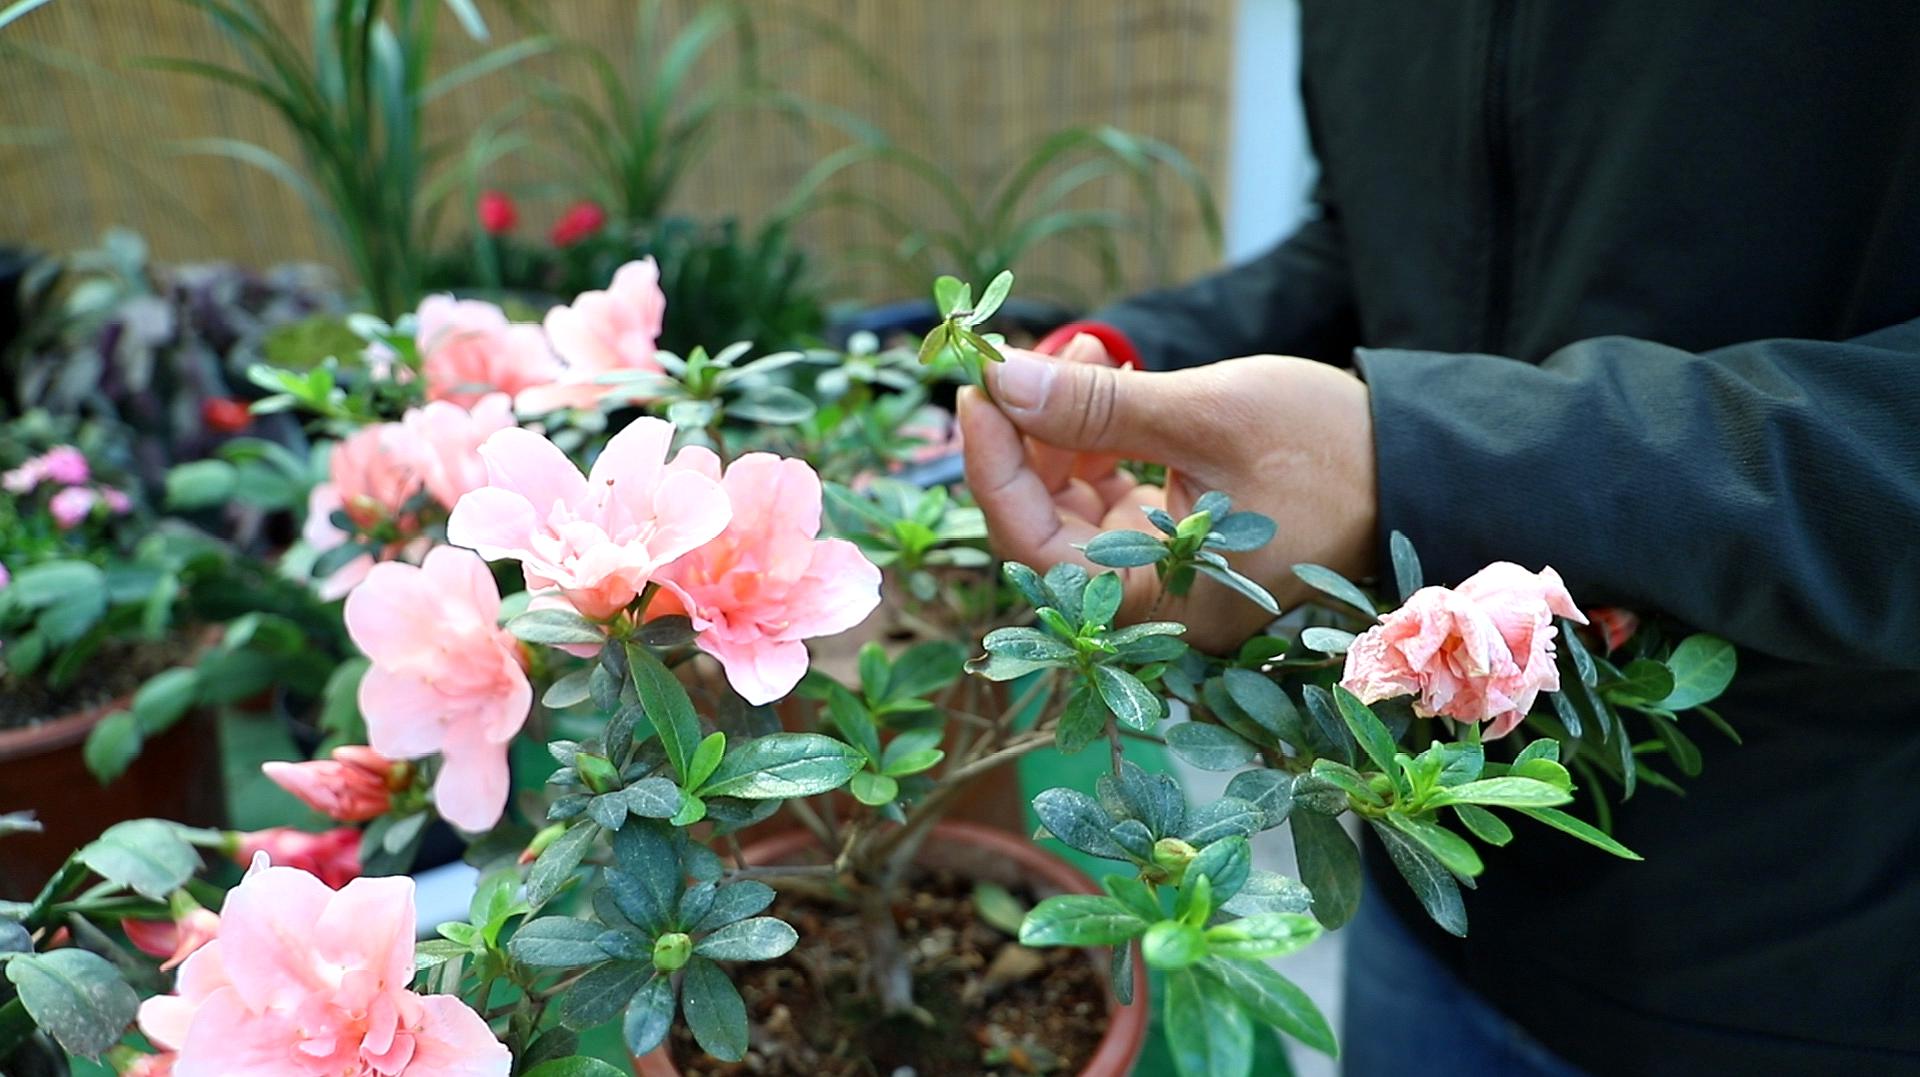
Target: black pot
(14, 263)
(38, 1057)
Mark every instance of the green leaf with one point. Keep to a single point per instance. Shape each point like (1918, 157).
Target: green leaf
(1264, 702)
(949, 294)
(1079, 821)
(1210, 747)
(1268, 891)
(1171, 944)
(1241, 531)
(600, 995)
(1702, 668)
(1485, 825)
(1644, 680)
(850, 716)
(1212, 1035)
(990, 300)
(649, 1015)
(112, 745)
(668, 708)
(76, 996)
(147, 856)
(1241, 585)
(1329, 866)
(1507, 792)
(1452, 850)
(998, 907)
(1430, 880)
(1080, 920)
(1407, 575)
(1269, 935)
(912, 751)
(760, 938)
(925, 668)
(557, 861)
(200, 484)
(706, 758)
(1226, 864)
(1599, 839)
(580, 1066)
(1102, 599)
(714, 1010)
(571, 690)
(1275, 1000)
(1125, 549)
(165, 697)
(873, 789)
(1269, 791)
(1367, 730)
(1327, 640)
(557, 942)
(784, 765)
(1082, 721)
(1027, 645)
(735, 901)
(555, 627)
(1132, 702)
(1332, 584)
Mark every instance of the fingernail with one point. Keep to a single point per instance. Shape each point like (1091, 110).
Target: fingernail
(1083, 348)
(1023, 381)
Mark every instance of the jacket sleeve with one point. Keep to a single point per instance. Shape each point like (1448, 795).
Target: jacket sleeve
(1768, 492)
(1295, 299)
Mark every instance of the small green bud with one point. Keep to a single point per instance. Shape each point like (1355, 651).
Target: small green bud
(597, 772)
(1195, 527)
(540, 841)
(1172, 855)
(671, 951)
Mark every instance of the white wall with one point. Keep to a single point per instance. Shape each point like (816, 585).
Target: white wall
(1269, 166)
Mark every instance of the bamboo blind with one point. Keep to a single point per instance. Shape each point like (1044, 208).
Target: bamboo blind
(88, 138)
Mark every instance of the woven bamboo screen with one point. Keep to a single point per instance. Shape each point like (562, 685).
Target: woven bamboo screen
(88, 138)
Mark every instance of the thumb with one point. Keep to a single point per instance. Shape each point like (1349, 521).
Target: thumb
(1092, 407)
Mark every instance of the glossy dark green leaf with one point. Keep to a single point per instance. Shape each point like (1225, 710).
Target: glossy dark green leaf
(1702, 668)
(1643, 681)
(715, 1013)
(602, 993)
(667, 706)
(1270, 791)
(76, 996)
(1432, 883)
(757, 938)
(1241, 531)
(1079, 821)
(557, 942)
(556, 863)
(1407, 575)
(1329, 866)
(1132, 703)
(784, 765)
(1101, 600)
(1268, 891)
(147, 856)
(1226, 864)
(1273, 999)
(649, 1016)
(1212, 1035)
(1334, 585)
(555, 627)
(1210, 747)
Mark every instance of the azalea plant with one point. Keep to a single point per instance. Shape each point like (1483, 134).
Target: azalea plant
(702, 581)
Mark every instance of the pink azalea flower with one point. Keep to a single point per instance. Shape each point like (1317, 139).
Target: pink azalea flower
(448, 437)
(469, 349)
(375, 471)
(333, 856)
(65, 465)
(116, 500)
(603, 332)
(1482, 652)
(598, 538)
(160, 1065)
(72, 506)
(446, 677)
(174, 940)
(311, 981)
(321, 533)
(766, 583)
(355, 785)
(22, 480)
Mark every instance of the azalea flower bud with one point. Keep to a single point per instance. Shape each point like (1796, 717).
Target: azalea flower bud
(671, 951)
(496, 211)
(352, 787)
(582, 219)
(597, 772)
(333, 856)
(225, 416)
(1172, 855)
(547, 836)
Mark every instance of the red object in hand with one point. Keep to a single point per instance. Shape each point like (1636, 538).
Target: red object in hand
(497, 212)
(225, 415)
(581, 220)
(1119, 348)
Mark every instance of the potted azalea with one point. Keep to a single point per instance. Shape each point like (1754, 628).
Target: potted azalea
(739, 856)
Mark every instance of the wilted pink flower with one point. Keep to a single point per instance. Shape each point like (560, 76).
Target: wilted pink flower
(1481, 652)
(598, 538)
(448, 436)
(469, 349)
(446, 677)
(331, 855)
(156, 1065)
(601, 333)
(71, 506)
(65, 465)
(766, 583)
(353, 786)
(174, 940)
(311, 981)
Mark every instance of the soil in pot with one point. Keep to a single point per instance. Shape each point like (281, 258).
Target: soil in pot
(113, 672)
(996, 1007)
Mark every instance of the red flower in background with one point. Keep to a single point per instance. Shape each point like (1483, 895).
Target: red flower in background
(224, 415)
(581, 220)
(333, 856)
(497, 212)
(1614, 626)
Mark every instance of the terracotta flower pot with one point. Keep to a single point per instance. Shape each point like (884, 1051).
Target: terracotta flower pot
(987, 854)
(177, 776)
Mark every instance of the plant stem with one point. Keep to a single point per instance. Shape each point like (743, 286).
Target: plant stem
(782, 871)
(1114, 745)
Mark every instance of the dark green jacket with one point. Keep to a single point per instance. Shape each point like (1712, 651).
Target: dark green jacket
(1636, 286)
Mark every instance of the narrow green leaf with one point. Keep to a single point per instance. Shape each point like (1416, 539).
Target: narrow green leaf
(715, 1013)
(1329, 866)
(665, 701)
(1334, 585)
(1215, 1036)
(1367, 730)
(1585, 832)
(1080, 920)
(1274, 999)
(1430, 880)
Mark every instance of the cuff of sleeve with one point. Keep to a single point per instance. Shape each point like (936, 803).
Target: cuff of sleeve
(1119, 348)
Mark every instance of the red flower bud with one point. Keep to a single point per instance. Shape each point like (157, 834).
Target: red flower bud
(581, 220)
(497, 212)
(225, 415)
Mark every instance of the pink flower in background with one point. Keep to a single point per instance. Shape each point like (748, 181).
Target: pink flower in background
(375, 471)
(446, 677)
(1481, 652)
(321, 533)
(468, 349)
(448, 437)
(601, 333)
(600, 538)
(65, 465)
(766, 583)
(580, 220)
(71, 506)
(174, 940)
(311, 981)
(5, 576)
(22, 479)
(333, 856)
(116, 500)
(353, 786)
(160, 1065)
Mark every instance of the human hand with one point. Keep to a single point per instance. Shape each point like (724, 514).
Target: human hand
(1290, 438)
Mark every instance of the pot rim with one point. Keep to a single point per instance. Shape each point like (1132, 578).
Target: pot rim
(1127, 1026)
(72, 727)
